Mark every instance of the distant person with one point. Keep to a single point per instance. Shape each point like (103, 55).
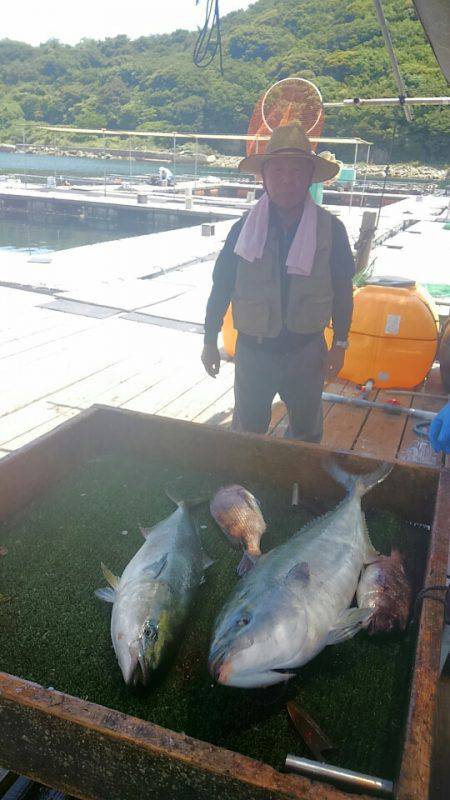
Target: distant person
(287, 268)
(164, 174)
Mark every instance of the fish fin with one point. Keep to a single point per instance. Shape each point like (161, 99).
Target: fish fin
(370, 554)
(191, 503)
(107, 594)
(157, 567)
(109, 576)
(251, 501)
(397, 557)
(145, 531)
(246, 563)
(300, 572)
(207, 561)
(358, 484)
(348, 624)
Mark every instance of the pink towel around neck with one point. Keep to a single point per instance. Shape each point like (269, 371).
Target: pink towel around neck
(252, 238)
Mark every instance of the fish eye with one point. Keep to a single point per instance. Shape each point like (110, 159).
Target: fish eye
(242, 621)
(150, 631)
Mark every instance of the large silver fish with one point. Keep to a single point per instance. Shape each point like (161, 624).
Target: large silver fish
(296, 599)
(152, 598)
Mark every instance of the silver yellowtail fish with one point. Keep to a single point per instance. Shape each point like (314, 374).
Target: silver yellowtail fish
(296, 599)
(152, 598)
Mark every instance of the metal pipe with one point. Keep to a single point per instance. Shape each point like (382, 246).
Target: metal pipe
(196, 162)
(354, 178)
(365, 176)
(391, 409)
(104, 157)
(393, 58)
(390, 101)
(224, 136)
(356, 780)
(174, 154)
(424, 395)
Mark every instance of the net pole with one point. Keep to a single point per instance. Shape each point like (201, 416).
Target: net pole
(174, 153)
(196, 162)
(365, 176)
(392, 57)
(104, 157)
(353, 180)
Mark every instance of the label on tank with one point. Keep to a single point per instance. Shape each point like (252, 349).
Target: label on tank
(383, 376)
(392, 323)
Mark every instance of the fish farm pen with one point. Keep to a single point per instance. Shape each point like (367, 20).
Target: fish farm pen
(75, 497)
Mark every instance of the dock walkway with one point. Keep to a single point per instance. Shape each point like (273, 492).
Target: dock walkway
(120, 323)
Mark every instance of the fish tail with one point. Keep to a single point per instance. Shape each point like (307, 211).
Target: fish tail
(181, 501)
(359, 484)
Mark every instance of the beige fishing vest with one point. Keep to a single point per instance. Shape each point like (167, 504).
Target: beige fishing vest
(256, 301)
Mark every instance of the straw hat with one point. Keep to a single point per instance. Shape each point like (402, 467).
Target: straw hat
(329, 156)
(292, 141)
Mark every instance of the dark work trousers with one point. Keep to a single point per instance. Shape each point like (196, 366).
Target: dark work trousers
(298, 378)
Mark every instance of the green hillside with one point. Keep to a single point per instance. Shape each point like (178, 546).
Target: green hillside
(151, 82)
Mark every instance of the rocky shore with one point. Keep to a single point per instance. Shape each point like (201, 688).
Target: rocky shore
(186, 155)
(405, 171)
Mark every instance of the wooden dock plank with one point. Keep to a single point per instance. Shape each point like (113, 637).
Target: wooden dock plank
(59, 415)
(31, 340)
(26, 420)
(161, 352)
(342, 424)
(63, 366)
(418, 448)
(192, 402)
(280, 422)
(381, 433)
(220, 412)
(34, 320)
(180, 371)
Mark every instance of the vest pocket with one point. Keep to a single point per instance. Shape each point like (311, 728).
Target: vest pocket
(310, 316)
(251, 316)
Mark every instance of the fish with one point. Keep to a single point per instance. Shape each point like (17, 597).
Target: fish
(238, 514)
(385, 588)
(151, 599)
(296, 599)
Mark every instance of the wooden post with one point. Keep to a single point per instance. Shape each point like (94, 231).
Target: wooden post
(364, 243)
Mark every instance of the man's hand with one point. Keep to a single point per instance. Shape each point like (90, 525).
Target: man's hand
(440, 431)
(335, 361)
(211, 359)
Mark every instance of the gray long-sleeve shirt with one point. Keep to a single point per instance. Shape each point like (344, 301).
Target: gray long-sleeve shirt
(224, 278)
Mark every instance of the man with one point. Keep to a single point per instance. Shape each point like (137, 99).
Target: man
(287, 267)
(164, 174)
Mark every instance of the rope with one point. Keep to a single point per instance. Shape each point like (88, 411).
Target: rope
(209, 41)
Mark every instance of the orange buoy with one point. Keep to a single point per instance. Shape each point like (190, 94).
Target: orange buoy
(444, 356)
(394, 334)
(229, 333)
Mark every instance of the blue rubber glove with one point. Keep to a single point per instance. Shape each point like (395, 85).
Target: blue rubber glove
(440, 431)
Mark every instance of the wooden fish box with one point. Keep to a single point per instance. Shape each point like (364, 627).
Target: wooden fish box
(91, 751)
